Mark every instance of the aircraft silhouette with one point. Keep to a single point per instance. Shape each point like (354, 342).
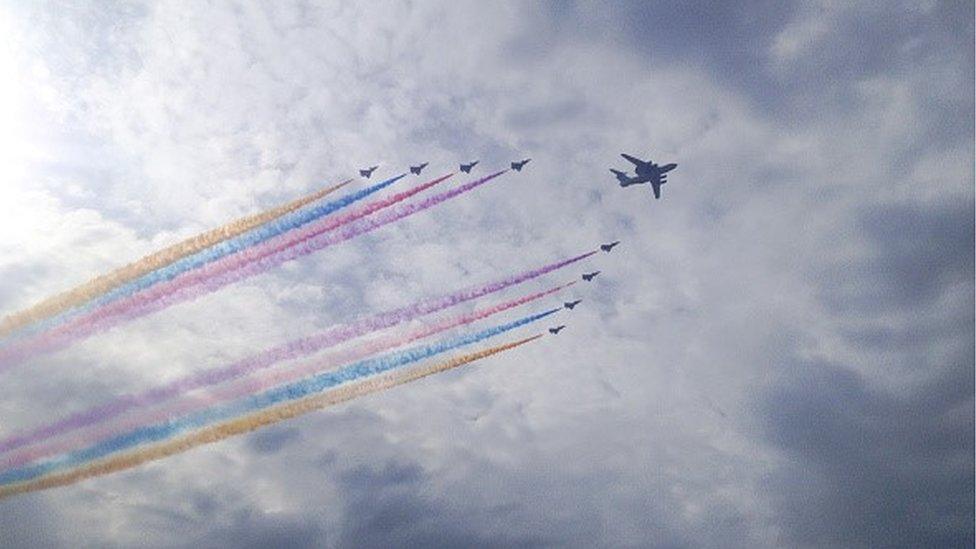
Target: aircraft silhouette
(590, 276)
(647, 172)
(466, 168)
(517, 166)
(608, 247)
(416, 169)
(570, 304)
(367, 172)
(555, 331)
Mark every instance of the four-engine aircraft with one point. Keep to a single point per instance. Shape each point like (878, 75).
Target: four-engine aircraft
(647, 172)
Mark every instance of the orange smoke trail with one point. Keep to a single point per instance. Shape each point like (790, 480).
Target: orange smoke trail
(101, 284)
(251, 422)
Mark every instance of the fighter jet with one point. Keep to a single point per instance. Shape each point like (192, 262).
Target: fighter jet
(608, 247)
(416, 169)
(517, 166)
(570, 304)
(555, 331)
(647, 172)
(367, 172)
(466, 168)
(590, 276)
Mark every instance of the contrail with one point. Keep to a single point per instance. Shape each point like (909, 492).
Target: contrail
(104, 283)
(250, 422)
(264, 382)
(292, 349)
(290, 392)
(217, 251)
(214, 276)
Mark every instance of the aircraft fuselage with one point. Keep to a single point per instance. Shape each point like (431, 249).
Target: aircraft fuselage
(651, 170)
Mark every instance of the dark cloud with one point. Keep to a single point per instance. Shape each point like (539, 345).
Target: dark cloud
(868, 468)
(28, 522)
(273, 440)
(921, 250)
(250, 528)
(725, 39)
(733, 42)
(917, 252)
(393, 506)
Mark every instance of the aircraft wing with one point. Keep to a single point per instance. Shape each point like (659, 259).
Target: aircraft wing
(656, 185)
(634, 161)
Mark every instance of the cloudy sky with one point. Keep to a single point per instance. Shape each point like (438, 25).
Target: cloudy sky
(780, 353)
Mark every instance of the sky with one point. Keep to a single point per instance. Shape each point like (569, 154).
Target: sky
(779, 354)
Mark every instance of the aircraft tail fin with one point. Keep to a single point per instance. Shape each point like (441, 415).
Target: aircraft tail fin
(621, 176)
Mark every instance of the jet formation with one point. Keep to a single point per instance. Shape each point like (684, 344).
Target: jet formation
(647, 172)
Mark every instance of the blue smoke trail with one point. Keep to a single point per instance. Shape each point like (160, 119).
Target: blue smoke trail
(215, 252)
(291, 391)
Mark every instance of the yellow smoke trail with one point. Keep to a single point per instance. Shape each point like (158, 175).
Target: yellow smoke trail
(248, 423)
(104, 283)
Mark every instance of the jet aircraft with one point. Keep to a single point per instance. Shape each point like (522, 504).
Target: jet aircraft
(517, 166)
(570, 304)
(367, 172)
(608, 247)
(590, 276)
(555, 331)
(647, 172)
(466, 168)
(417, 169)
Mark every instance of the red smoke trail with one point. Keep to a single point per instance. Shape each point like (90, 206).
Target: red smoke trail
(263, 382)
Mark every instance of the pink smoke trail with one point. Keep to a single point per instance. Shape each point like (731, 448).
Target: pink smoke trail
(231, 269)
(288, 350)
(258, 383)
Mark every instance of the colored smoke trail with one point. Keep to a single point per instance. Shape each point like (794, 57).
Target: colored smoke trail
(292, 349)
(219, 250)
(251, 422)
(72, 298)
(213, 276)
(270, 379)
(293, 391)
